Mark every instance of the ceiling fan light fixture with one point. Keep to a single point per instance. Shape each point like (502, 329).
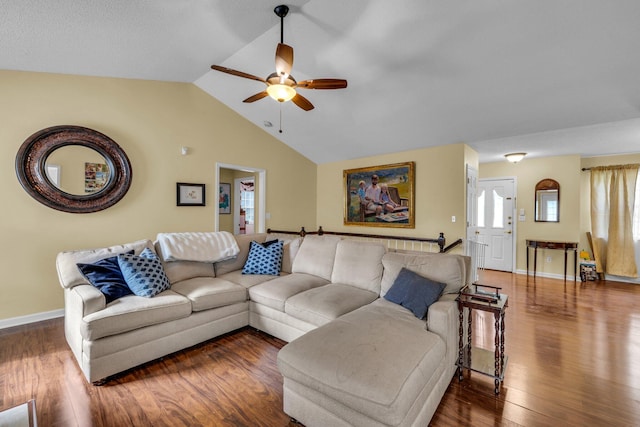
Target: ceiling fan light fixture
(515, 157)
(281, 93)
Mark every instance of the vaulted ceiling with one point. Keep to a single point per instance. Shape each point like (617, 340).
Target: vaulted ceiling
(548, 77)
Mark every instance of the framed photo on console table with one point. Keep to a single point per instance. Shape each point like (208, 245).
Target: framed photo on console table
(190, 194)
(380, 196)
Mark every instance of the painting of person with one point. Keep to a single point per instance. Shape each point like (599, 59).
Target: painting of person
(385, 199)
(361, 190)
(372, 196)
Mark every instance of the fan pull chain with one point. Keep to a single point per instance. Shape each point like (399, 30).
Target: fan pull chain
(280, 118)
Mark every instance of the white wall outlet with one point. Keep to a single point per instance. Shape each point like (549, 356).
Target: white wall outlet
(548, 259)
(453, 218)
(267, 215)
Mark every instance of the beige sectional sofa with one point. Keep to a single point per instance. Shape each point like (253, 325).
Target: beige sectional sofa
(353, 357)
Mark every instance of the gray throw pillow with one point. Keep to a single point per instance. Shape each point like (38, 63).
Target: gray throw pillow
(414, 292)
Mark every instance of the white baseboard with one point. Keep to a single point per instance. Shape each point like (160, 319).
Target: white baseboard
(549, 275)
(30, 318)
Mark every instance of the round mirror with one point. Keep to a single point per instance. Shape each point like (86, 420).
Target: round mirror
(77, 170)
(73, 169)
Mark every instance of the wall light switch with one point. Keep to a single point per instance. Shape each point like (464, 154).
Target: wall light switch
(521, 211)
(453, 218)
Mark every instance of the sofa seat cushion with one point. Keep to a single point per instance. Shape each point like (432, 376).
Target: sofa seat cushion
(247, 280)
(321, 305)
(276, 292)
(132, 312)
(377, 360)
(210, 292)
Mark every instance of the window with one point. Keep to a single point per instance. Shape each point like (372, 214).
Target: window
(481, 209)
(498, 210)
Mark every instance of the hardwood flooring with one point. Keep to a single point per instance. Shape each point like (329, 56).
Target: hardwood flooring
(574, 360)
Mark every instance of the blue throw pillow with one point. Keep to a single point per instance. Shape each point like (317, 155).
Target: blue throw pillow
(107, 277)
(414, 292)
(144, 274)
(264, 260)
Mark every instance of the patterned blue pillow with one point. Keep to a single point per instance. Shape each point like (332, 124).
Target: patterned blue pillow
(144, 274)
(105, 275)
(263, 260)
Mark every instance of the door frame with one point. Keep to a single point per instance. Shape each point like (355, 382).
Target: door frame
(261, 203)
(514, 233)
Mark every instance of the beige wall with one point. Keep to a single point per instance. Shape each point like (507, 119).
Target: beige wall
(565, 170)
(439, 191)
(150, 121)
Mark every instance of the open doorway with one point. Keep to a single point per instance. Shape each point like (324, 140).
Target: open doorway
(244, 218)
(228, 173)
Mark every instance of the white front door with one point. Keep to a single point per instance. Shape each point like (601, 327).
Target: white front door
(495, 224)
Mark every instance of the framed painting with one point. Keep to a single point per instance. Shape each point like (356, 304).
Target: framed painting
(190, 194)
(224, 202)
(380, 196)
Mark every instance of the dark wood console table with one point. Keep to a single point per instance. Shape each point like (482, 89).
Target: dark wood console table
(545, 244)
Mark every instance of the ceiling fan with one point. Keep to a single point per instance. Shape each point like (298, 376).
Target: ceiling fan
(281, 85)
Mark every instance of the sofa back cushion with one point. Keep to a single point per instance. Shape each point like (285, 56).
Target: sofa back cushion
(359, 264)
(244, 243)
(291, 246)
(177, 271)
(316, 256)
(66, 262)
(451, 270)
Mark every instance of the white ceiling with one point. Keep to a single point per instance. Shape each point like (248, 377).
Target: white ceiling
(547, 77)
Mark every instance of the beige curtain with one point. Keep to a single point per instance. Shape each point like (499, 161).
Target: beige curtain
(612, 201)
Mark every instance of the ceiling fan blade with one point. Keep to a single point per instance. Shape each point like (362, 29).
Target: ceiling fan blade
(256, 97)
(322, 84)
(237, 73)
(302, 102)
(284, 59)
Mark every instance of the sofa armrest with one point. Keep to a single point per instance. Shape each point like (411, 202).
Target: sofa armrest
(84, 300)
(443, 320)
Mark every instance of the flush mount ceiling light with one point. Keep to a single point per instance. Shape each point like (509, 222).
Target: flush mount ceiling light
(515, 157)
(281, 85)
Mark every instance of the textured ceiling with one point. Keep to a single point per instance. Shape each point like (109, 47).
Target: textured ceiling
(562, 77)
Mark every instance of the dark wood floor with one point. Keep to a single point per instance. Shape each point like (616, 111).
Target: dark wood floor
(574, 360)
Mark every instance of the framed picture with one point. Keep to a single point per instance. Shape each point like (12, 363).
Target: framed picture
(224, 200)
(380, 196)
(190, 194)
(96, 176)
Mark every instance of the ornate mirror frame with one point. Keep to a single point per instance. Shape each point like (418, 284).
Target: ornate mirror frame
(31, 169)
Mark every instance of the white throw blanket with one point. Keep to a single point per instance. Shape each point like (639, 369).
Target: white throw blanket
(201, 246)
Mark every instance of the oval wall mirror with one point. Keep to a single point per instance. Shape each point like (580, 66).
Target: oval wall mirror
(547, 201)
(73, 169)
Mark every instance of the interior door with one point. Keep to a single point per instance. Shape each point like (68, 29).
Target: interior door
(244, 210)
(472, 203)
(495, 224)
